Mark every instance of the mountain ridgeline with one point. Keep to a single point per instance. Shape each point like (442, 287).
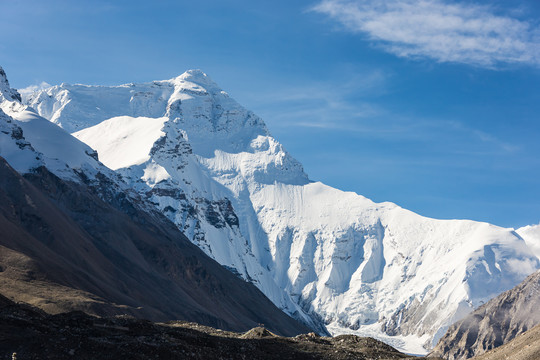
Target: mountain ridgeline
(186, 152)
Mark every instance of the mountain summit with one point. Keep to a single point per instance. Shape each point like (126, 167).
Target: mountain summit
(332, 259)
(197, 76)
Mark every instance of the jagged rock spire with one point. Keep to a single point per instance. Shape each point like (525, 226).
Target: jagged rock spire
(6, 92)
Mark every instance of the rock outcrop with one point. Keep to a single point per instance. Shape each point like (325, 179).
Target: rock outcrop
(524, 347)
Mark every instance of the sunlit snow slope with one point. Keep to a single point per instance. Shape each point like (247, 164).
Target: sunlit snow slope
(323, 255)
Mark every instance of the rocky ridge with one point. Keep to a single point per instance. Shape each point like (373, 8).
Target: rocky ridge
(493, 324)
(525, 346)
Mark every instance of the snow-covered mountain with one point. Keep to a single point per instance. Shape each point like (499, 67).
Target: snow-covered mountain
(323, 255)
(75, 236)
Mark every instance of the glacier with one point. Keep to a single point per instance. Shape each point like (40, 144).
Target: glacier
(333, 259)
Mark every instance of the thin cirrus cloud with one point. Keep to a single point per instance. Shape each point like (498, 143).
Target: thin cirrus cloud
(326, 107)
(457, 32)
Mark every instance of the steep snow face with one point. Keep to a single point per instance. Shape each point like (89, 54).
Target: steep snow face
(372, 267)
(15, 148)
(323, 255)
(531, 235)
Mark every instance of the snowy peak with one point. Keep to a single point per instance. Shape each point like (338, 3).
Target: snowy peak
(211, 118)
(191, 103)
(4, 83)
(6, 92)
(197, 76)
(201, 108)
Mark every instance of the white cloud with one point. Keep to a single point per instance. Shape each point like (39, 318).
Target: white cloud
(25, 92)
(441, 30)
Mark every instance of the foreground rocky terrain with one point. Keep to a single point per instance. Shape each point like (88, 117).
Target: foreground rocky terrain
(495, 323)
(33, 334)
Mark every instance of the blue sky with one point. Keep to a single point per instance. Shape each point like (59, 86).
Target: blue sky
(431, 104)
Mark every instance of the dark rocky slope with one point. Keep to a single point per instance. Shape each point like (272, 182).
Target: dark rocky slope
(35, 335)
(66, 246)
(494, 323)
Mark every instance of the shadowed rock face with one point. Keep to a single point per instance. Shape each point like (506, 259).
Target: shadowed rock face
(495, 323)
(33, 334)
(67, 246)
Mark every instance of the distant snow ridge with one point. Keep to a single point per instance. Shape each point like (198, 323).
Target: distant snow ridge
(325, 256)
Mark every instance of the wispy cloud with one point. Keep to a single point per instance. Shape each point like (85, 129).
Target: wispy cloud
(25, 92)
(445, 31)
(330, 106)
(333, 103)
